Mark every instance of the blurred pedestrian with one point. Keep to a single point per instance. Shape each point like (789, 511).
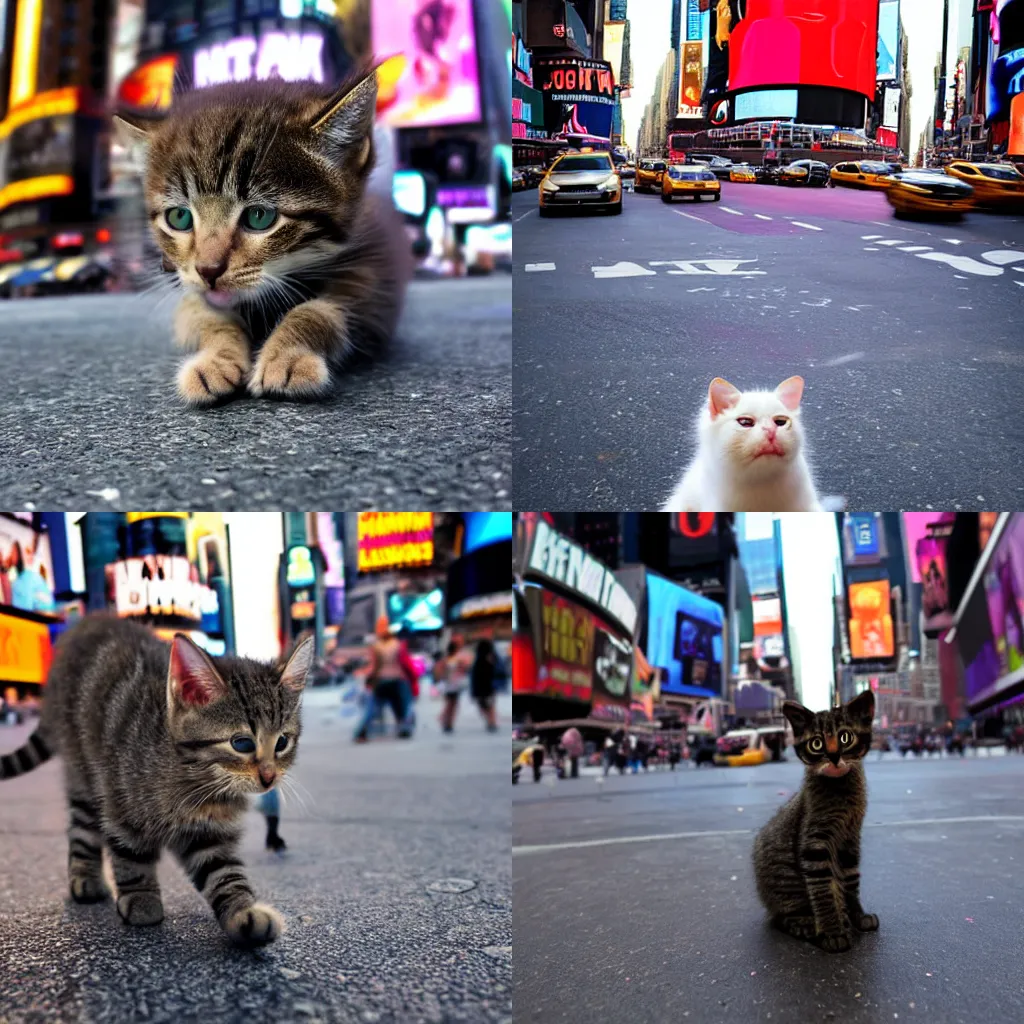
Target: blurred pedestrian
(389, 672)
(608, 754)
(270, 805)
(482, 682)
(572, 744)
(458, 663)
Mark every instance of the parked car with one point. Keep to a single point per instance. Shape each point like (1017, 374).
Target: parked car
(519, 180)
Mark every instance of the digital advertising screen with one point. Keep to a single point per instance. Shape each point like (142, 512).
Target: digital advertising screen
(394, 540)
(684, 637)
(563, 635)
(1006, 82)
(26, 567)
(483, 528)
(613, 666)
(1004, 592)
(765, 103)
(888, 40)
(417, 612)
(438, 81)
(575, 79)
(870, 623)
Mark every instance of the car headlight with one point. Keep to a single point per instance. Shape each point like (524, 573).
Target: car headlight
(610, 185)
(548, 186)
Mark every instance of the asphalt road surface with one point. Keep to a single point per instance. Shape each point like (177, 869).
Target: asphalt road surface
(396, 890)
(89, 417)
(634, 900)
(907, 333)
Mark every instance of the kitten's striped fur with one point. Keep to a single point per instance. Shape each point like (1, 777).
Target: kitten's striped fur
(325, 279)
(807, 858)
(144, 729)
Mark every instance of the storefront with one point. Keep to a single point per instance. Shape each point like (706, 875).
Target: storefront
(573, 631)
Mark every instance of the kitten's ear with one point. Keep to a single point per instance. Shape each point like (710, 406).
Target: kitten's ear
(721, 396)
(799, 717)
(347, 119)
(790, 391)
(135, 129)
(192, 679)
(862, 708)
(297, 669)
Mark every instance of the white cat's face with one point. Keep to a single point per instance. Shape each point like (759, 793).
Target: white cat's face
(755, 432)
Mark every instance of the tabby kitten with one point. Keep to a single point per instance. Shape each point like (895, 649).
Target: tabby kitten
(806, 859)
(256, 194)
(162, 746)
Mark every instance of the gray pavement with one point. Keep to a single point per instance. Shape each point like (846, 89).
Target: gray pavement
(634, 899)
(378, 931)
(89, 417)
(907, 333)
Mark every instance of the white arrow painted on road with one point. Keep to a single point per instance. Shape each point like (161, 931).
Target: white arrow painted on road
(1002, 257)
(534, 268)
(964, 263)
(623, 269)
(719, 267)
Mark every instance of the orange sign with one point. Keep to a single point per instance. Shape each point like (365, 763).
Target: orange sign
(393, 540)
(150, 84)
(25, 650)
(1016, 143)
(871, 630)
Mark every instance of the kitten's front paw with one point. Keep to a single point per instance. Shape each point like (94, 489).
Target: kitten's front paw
(295, 372)
(254, 926)
(866, 923)
(140, 908)
(837, 942)
(89, 890)
(210, 375)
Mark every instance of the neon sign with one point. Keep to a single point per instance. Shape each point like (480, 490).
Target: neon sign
(293, 56)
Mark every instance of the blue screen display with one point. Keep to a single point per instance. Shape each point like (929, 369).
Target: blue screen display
(483, 528)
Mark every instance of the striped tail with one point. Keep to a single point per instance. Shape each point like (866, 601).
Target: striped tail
(25, 758)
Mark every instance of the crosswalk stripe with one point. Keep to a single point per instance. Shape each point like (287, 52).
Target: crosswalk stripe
(892, 241)
(801, 224)
(533, 268)
(869, 238)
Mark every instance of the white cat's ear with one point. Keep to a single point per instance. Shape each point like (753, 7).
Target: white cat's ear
(347, 119)
(192, 678)
(790, 391)
(721, 396)
(297, 670)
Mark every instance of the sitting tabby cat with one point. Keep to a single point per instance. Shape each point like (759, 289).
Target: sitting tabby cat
(806, 859)
(256, 194)
(162, 746)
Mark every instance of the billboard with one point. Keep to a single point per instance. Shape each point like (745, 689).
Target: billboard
(614, 36)
(691, 80)
(1006, 82)
(563, 642)
(1004, 593)
(888, 60)
(684, 638)
(613, 666)
(759, 43)
(26, 567)
(440, 82)
(871, 625)
(416, 612)
(575, 80)
(483, 528)
(891, 109)
(394, 540)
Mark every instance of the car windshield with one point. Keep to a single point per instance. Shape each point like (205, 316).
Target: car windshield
(659, 165)
(872, 168)
(1002, 173)
(582, 163)
(686, 174)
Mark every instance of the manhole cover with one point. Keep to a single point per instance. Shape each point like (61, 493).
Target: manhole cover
(451, 885)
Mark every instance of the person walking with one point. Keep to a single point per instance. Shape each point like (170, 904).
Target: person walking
(457, 666)
(482, 681)
(390, 667)
(270, 805)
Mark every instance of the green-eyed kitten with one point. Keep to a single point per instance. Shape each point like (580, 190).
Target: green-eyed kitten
(256, 194)
(807, 858)
(162, 746)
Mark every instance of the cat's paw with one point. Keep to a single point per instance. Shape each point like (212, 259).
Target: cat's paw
(866, 923)
(834, 942)
(140, 908)
(295, 372)
(211, 374)
(89, 890)
(254, 926)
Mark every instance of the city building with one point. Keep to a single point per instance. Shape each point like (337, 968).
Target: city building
(616, 51)
(654, 124)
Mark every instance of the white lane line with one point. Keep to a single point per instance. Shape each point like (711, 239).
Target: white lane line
(801, 224)
(1001, 257)
(692, 290)
(729, 209)
(892, 241)
(848, 358)
(623, 269)
(964, 263)
(870, 248)
(954, 241)
(523, 215)
(583, 844)
(536, 268)
(1021, 283)
(683, 213)
(869, 238)
(762, 216)
(915, 248)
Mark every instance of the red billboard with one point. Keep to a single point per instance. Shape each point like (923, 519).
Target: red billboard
(829, 43)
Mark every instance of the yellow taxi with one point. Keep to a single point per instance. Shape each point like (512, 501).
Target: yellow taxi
(922, 192)
(861, 174)
(740, 748)
(649, 175)
(689, 181)
(578, 180)
(993, 184)
(742, 173)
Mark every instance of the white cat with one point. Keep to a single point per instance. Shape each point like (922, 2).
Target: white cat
(749, 454)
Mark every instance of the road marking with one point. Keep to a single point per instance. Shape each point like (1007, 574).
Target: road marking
(848, 358)
(715, 266)
(953, 241)
(964, 263)
(729, 209)
(892, 241)
(522, 215)
(536, 268)
(623, 269)
(1002, 257)
(870, 248)
(692, 290)
(915, 248)
(1021, 283)
(583, 844)
(762, 216)
(801, 224)
(683, 213)
(821, 302)
(869, 238)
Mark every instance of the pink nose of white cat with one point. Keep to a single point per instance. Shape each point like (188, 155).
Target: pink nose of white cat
(771, 431)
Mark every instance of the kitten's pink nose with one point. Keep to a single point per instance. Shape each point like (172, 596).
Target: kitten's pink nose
(209, 272)
(267, 776)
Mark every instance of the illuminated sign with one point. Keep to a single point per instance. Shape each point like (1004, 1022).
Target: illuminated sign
(694, 524)
(300, 571)
(871, 626)
(691, 80)
(864, 533)
(566, 648)
(150, 84)
(157, 585)
(694, 28)
(1006, 80)
(392, 540)
(487, 604)
(576, 79)
(887, 63)
(293, 56)
(25, 650)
